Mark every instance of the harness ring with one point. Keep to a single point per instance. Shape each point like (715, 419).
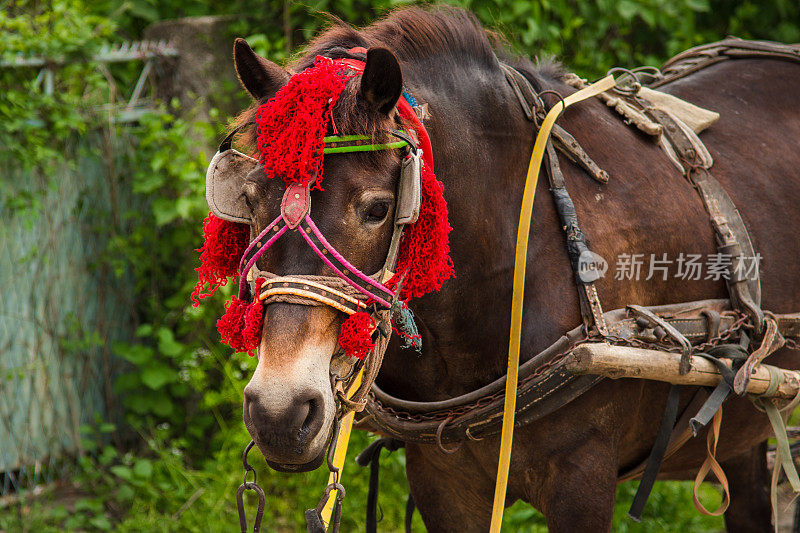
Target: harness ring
(439, 437)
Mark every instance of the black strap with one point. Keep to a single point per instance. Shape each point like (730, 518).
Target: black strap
(372, 456)
(228, 140)
(737, 354)
(577, 244)
(712, 404)
(710, 407)
(410, 506)
(656, 454)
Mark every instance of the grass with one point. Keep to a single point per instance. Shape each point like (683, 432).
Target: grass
(156, 491)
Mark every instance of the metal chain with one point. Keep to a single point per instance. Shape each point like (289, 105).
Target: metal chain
(247, 485)
(742, 322)
(480, 402)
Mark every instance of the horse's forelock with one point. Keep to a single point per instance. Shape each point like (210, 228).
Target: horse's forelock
(351, 116)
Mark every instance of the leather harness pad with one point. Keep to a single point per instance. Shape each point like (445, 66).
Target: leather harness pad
(409, 195)
(296, 204)
(224, 180)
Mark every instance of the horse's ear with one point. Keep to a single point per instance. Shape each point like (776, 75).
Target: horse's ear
(259, 76)
(382, 81)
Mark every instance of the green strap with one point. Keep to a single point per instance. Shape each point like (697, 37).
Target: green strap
(783, 455)
(340, 144)
(345, 138)
(364, 147)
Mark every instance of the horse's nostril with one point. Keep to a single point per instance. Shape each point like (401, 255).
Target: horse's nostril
(250, 396)
(313, 411)
(300, 418)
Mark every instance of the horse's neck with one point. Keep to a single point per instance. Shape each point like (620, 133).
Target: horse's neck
(481, 142)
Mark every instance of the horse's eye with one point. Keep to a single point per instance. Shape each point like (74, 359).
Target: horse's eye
(377, 212)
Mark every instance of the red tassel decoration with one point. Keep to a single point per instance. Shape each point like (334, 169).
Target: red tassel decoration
(254, 322)
(290, 127)
(355, 337)
(231, 324)
(240, 326)
(225, 242)
(425, 247)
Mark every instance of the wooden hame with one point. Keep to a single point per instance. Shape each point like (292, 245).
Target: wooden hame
(627, 362)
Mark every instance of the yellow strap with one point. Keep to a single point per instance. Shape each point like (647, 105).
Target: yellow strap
(510, 405)
(340, 451)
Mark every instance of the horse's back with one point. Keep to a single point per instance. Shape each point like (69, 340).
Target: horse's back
(755, 145)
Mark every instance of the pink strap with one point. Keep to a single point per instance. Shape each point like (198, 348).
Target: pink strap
(254, 241)
(244, 271)
(330, 249)
(346, 263)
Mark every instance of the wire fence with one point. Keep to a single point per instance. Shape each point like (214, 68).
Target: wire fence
(61, 309)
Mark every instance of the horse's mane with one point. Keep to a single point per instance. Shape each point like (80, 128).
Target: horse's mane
(451, 35)
(411, 33)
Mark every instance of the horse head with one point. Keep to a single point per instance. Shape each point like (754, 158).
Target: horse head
(328, 240)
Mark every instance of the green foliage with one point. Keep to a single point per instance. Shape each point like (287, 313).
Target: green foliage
(180, 377)
(156, 490)
(590, 37)
(177, 375)
(35, 127)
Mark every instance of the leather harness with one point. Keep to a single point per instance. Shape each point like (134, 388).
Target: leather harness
(694, 327)
(545, 385)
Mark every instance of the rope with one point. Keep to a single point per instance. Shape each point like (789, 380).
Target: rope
(313, 291)
(331, 282)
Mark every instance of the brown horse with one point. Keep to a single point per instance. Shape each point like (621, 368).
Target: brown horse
(566, 464)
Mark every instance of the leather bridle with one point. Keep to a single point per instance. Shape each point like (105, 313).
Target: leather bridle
(349, 290)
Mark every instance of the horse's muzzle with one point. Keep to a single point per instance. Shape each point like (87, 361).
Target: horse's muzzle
(287, 432)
